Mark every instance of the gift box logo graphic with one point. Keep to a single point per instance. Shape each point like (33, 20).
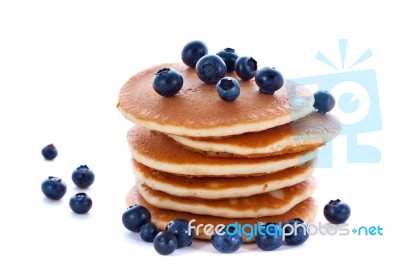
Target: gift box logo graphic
(357, 105)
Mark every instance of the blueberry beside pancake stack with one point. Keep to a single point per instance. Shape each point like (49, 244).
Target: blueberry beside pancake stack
(198, 157)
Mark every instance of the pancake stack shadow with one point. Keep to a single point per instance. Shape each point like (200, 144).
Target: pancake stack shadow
(255, 176)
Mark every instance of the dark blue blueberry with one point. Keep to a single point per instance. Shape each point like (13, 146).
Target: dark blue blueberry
(296, 232)
(228, 89)
(80, 203)
(227, 242)
(246, 67)
(165, 243)
(324, 101)
(135, 217)
(167, 82)
(229, 56)
(272, 238)
(82, 176)
(180, 228)
(148, 232)
(210, 69)
(54, 188)
(192, 52)
(337, 211)
(49, 152)
(269, 80)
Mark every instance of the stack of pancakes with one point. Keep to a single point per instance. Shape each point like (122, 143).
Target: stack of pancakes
(198, 157)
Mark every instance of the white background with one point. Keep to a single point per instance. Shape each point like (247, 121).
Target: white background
(62, 64)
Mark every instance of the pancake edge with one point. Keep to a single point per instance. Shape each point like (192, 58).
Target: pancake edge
(228, 192)
(305, 210)
(168, 202)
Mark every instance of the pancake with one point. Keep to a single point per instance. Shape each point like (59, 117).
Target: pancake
(306, 133)
(160, 152)
(198, 111)
(266, 204)
(305, 210)
(220, 187)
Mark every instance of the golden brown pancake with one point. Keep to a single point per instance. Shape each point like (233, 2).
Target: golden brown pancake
(158, 151)
(266, 204)
(306, 133)
(220, 187)
(198, 111)
(305, 210)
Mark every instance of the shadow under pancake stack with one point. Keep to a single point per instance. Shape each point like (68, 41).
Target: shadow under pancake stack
(198, 157)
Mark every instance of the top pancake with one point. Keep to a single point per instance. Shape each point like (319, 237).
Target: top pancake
(198, 111)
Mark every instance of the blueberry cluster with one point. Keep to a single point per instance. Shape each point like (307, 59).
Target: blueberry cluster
(269, 240)
(54, 188)
(211, 69)
(176, 234)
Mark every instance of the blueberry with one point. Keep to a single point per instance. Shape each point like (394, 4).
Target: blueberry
(269, 80)
(82, 176)
(148, 232)
(210, 69)
(246, 67)
(337, 211)
(54, 188)
(49, 152)
(192, 52)
(324, 101)
(226, 243)
(271, 239)
(229, 56)
(296, 232)
(228, 89)
(80, 203)
(180, 228)
(134, 217)
(165, 243)
(167, 82)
